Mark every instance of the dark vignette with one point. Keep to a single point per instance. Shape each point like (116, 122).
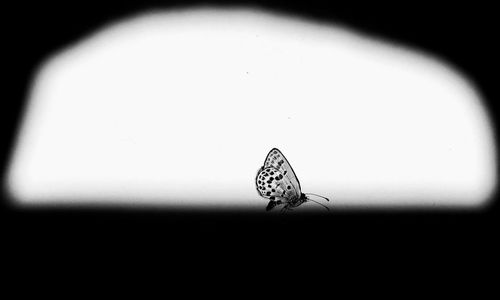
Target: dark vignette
(461, 34)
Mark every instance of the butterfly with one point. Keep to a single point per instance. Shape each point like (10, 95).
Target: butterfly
(277, 182)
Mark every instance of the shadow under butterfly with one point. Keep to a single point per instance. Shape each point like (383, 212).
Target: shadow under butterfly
(277, 182)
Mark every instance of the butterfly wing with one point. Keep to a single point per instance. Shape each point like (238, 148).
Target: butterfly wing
(277, 160)
(273, 185)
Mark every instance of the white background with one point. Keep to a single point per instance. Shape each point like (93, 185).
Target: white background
(181, 108)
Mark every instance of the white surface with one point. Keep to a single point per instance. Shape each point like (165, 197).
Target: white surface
(181, 108)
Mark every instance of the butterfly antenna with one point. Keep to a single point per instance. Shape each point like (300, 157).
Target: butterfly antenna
(318, 196)
(318, 203)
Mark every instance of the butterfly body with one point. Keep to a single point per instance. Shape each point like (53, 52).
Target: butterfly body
(277, 182)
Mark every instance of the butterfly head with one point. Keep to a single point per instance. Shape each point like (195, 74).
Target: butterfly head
(305, 198)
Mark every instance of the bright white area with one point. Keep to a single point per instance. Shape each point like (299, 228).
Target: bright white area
(181, 108)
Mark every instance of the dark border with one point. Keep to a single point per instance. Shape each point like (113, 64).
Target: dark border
(462, 35)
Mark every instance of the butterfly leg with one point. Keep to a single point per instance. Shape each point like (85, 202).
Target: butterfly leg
(285, 209)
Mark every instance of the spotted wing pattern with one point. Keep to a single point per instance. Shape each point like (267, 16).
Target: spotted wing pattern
(275, 186)
(277, 160)
(277, 182)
